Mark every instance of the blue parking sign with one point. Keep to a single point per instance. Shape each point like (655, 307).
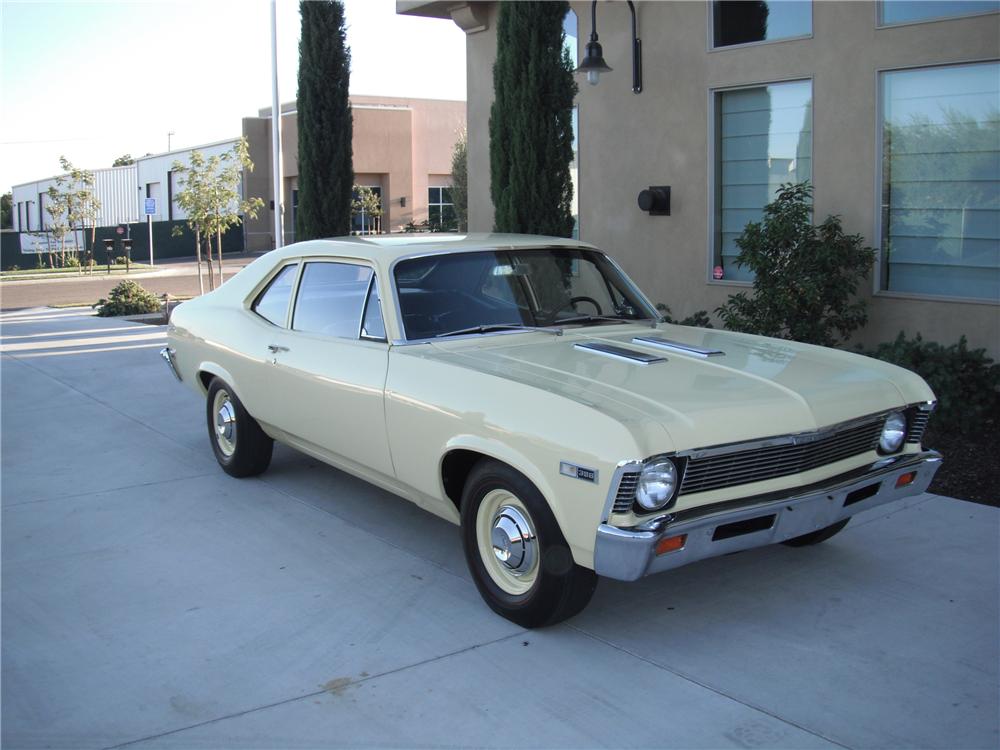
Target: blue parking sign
(150, 206)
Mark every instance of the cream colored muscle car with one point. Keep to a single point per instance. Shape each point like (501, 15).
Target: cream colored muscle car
(524, 388)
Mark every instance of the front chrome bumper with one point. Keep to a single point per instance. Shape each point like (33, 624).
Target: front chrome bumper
(631, 553)
(168, 356)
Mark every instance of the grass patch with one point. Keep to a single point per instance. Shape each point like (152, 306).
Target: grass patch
(69, 271)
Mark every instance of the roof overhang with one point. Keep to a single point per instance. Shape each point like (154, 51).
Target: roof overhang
(468, 16)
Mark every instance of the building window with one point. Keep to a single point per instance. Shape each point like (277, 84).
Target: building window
(940, 196)
(763, 139)
(742, 22)
(914, 11)
(441, 210)
(362, 220)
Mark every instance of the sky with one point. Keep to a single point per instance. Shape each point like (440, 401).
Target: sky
(95, 80)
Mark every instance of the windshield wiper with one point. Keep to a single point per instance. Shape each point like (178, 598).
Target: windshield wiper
(595, 318)
(499, 327)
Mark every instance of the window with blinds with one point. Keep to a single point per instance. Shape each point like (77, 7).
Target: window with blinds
(763, 139)
(940, 197)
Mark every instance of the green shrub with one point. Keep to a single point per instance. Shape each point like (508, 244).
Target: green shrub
(71, 261)
(699, 318)
(14, 268)
(965, 381)
(805, 276)
(128, 298)
(120, 260)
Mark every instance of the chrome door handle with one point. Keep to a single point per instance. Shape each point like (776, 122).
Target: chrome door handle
(274, 348)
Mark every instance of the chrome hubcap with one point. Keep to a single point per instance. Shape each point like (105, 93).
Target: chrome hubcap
(513, 540)
(225, 423)
(508, 545)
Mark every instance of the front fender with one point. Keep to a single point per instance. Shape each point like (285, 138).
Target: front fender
(576, 528)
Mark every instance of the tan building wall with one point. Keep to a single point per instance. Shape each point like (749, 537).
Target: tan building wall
(662, 136)
(401, 145)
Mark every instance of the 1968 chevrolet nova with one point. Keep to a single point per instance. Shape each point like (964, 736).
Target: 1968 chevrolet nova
(524, 388)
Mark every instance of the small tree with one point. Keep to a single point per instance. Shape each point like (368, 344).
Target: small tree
(74, 197)
(531, 128)
(210, 196)
(124, 161)
(56, 209)
(460, 180)
(227, 205)
(326, 166)
(367, 204)
(805, 276)
(193, 198)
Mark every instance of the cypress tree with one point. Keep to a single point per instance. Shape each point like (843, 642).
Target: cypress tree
(326, 165)
(531, 136)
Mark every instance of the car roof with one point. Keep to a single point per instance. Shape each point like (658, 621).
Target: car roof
(384, 249)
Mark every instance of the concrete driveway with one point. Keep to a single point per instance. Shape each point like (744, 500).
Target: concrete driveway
(149, 600)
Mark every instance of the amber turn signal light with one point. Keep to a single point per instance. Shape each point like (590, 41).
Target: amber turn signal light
(905, 479)
(670, 544)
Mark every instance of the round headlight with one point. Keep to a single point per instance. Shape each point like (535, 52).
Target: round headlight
(656, 486)
(893, 433)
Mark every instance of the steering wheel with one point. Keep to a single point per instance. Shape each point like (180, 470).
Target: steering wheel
(572, 303)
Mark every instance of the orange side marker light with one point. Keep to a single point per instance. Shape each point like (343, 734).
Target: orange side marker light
(905, 479)
(670, 544)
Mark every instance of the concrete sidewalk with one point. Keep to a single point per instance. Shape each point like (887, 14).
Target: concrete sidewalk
(148, 599)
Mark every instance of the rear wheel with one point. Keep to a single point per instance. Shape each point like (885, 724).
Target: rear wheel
(241, 447)
(815, 537)
(517, 554)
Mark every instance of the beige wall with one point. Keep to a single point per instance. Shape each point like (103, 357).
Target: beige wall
(661, 137)
(397, 143)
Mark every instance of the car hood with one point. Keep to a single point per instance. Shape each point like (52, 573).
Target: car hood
(759, 387)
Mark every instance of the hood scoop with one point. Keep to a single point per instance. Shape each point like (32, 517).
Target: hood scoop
(677, 346)
(619, 352)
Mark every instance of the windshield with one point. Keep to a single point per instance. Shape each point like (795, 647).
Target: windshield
(446, 294)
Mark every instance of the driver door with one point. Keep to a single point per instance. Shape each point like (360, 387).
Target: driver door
(330, 366)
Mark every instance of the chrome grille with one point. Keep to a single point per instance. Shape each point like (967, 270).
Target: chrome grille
(626, 492)
(918, 423)
(759, 464)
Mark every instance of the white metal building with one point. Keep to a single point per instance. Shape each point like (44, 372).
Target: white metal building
(116, 188)
(121, 190)
(156, 178)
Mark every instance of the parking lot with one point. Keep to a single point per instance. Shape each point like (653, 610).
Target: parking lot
(150, 600)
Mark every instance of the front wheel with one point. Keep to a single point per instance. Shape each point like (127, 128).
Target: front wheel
(815, 537)
(241, 447)
(517, 554)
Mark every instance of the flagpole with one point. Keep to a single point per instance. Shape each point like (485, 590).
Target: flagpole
(279, 238)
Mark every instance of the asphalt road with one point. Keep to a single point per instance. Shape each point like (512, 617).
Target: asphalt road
(150, 600)
(175, 277)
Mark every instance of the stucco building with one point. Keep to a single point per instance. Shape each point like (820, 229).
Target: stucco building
(402, 151)
(889, 108)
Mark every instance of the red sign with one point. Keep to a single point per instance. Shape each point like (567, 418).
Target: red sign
(120, 230)
(717, 272)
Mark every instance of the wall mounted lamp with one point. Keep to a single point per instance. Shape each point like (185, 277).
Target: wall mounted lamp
(655, 200)
(593, 60)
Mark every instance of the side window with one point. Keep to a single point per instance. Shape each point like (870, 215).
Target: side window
(272, 303)
(331, 299)
(373, 326)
